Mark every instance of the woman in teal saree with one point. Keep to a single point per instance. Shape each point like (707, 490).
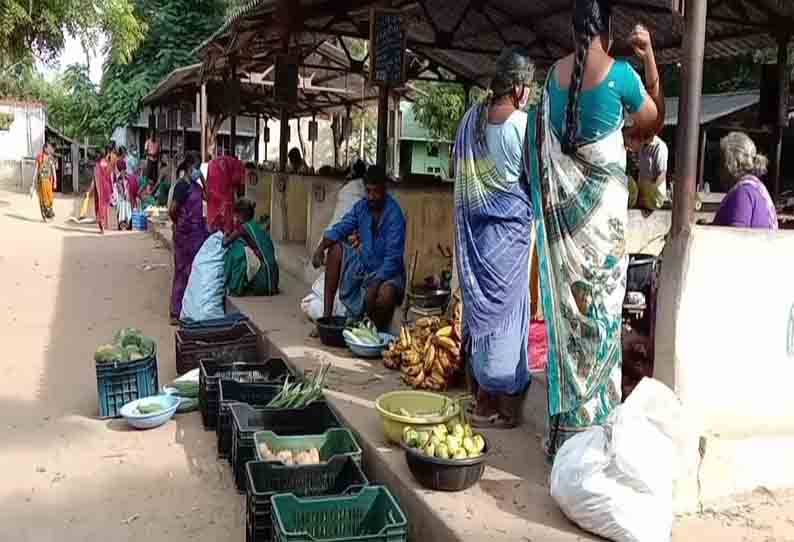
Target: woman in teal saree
(576, 166)
(250, 263)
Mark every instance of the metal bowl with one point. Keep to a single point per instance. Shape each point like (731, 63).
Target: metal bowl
(428, 298)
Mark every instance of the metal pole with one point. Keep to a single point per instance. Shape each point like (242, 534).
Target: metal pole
(203, 121)
(782, 114)
(283, 141)
(256, 139)
(383, 125)
(314, 119)
(702, 160)
(266, 141)
(233, 135)
(689, 116)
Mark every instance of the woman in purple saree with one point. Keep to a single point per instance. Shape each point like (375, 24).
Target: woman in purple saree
(190, 229)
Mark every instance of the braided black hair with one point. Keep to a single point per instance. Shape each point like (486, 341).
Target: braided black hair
(513, 67)
(590, 19)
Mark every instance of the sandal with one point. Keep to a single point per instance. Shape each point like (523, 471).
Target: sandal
(492, 421)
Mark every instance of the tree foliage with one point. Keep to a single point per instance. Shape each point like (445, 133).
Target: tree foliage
(39, 28)
(439, 107)
(176, 28)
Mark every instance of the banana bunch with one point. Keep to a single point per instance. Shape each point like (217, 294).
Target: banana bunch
(427, 355)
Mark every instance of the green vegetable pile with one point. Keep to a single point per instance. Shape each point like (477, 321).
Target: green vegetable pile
(451, 441)
(129, 344)
(363, 333)
(150, 408)
(300, 394)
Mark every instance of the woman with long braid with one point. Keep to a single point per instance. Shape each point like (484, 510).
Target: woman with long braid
(576, 163)
(493, 225)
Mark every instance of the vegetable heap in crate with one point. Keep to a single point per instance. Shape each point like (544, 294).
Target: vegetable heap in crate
(428, 355)
(291, 457)
(129, 344)
(451, 441)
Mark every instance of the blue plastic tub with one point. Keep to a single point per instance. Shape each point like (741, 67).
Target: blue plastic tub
(139, 221)
(120, 383)
(168, 405)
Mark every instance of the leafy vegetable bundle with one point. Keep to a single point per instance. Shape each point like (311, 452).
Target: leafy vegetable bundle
(300, 394)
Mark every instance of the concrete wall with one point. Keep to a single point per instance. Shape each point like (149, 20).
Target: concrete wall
(725, 329)
(25, 137)
(288, 208)
(260, 192)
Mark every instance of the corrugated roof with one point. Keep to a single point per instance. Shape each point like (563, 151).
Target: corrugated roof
(713, 106)
(466, 36)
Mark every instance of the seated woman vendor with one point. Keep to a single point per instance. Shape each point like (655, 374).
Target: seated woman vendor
(747, 203)
(250, 263)
(363, 255)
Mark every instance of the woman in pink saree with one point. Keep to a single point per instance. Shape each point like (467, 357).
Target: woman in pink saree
(102, 189)
(224, 177)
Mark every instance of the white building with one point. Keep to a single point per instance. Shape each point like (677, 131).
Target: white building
(21, 140)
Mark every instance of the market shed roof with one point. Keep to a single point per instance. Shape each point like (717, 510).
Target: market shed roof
(714, 106)
(465, 36)
(325, 85)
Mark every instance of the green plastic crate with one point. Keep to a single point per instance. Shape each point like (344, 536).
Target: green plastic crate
(372, 515)
(333, 442)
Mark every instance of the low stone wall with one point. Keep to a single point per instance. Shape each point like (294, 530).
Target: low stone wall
(16, 175)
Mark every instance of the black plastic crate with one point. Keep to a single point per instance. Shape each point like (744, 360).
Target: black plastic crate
(313, 419)
(119, 383)
(231, 391)
(339, 476)
(272, 371)
(240, 340)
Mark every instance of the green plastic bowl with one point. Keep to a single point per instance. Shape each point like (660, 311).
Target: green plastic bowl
(389, 404)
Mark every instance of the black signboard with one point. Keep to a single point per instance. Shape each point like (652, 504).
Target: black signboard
(387, 41)
(286, 84)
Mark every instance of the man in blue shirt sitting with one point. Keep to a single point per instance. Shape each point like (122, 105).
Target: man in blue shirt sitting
(363, 255)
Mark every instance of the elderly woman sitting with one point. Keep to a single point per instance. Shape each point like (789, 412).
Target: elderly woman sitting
(747, 203)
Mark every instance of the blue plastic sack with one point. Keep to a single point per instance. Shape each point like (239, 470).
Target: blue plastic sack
(205, 295)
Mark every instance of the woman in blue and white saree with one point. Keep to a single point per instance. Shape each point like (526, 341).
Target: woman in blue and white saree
(576, 167)
(493, 226)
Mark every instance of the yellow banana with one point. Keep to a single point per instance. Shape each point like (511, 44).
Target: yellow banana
(448, 344)
(411, 370)
(445, 331)
(423, 322)
(430, 357)
(443, 359)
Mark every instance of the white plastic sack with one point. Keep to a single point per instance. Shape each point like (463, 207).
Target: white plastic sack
(313, 305)
(617, 480)
(205, 295)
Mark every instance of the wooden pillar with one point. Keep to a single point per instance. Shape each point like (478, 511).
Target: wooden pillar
(171, 129)
(689, 117)
(782, 114)
(233, 135)
(265, 136)
(383, 126)
(283, 141)
(203, 121)
(314, 120)
(256, 139)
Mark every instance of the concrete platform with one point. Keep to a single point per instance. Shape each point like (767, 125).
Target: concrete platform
(511, 503)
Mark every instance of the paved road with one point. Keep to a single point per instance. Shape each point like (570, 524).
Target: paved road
(67, 476)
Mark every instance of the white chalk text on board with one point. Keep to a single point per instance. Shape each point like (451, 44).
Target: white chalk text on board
(387, 47)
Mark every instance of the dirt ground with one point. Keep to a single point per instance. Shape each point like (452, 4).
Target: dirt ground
(67, 476)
